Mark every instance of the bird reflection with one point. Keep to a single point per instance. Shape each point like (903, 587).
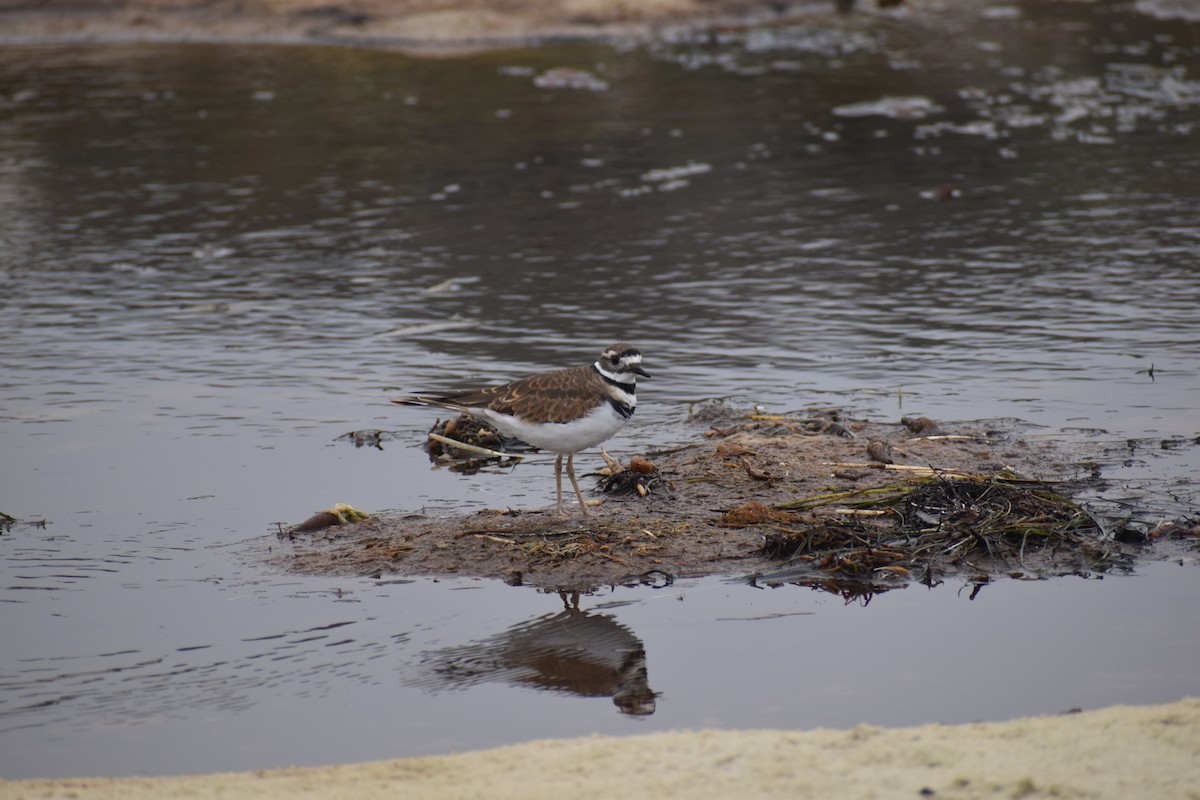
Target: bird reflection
(573, 651)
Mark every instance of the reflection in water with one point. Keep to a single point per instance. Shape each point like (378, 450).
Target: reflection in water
(573, 651)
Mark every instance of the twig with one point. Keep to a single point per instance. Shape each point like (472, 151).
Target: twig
(472, 448)
(491, 538)
(914, 469)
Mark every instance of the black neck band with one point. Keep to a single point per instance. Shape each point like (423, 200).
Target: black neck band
(630, 388)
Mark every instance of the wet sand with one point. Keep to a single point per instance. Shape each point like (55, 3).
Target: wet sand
(1120, 752)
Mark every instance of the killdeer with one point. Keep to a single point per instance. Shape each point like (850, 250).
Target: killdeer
(563, 411)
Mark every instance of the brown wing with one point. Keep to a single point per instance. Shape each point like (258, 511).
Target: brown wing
(552, 397)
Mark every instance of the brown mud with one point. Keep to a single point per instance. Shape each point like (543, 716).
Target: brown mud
(801, 499)
(427, 27)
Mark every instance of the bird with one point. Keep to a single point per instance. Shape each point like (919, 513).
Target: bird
(564, 411)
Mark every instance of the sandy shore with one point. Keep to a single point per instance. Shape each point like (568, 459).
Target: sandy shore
(1122, 752)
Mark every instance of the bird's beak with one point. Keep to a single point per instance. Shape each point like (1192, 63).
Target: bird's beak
(639, 371)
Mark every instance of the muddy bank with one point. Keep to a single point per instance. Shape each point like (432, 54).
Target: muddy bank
(850, 506)
(1120, 752)
(425, 25)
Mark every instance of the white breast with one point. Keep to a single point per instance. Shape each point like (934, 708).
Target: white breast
(562, 437)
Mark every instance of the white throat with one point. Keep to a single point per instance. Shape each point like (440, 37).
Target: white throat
(622, 377)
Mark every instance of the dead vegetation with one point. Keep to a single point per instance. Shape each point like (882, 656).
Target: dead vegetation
(927, 527)
(466, 444)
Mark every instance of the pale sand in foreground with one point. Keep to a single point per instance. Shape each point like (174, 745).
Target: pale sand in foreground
(1120, 752)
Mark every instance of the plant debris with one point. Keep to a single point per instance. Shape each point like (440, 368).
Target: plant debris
(641, 477)
(919, 424)
(1177, 529)
(776, 498)
(756, 513)
(483, 445)
(925, 528)
(880, 451)
(339, 514)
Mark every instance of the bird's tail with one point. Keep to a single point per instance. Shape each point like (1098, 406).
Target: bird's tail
(427, 401)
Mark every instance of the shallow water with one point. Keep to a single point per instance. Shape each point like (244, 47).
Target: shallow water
(286, 671)
(216, 260)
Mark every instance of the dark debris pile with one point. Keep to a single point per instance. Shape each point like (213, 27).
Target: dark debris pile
(478, 435)
(642, 477)
(925, 529)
